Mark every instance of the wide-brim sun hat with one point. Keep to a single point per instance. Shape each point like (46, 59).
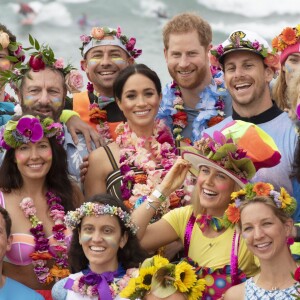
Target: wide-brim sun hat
(239, 150)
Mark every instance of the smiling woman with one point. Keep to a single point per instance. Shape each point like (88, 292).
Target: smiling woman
(103, 247)
(38, 198)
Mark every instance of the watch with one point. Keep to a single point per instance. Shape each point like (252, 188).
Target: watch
(157, 194)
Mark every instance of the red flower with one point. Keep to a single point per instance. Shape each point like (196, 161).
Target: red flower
(36, 63)
(297, 274)
(182, 116)
(214, 120)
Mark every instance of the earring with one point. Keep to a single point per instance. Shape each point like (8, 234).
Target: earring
(290, 241)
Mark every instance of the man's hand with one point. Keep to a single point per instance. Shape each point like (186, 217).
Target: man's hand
(76, 125)
(83, 168)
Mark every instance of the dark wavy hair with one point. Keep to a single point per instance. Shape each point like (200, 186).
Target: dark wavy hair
(57, 179)
(7, 220)
(130, 256)
(131, 70)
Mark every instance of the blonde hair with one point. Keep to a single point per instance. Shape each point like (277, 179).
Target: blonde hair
(187, 22)
(292, 92)
(279, 91)
(268, 201)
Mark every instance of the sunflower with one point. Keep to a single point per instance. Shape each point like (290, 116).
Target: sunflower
(289, 36)
(196, 291)
(235, 195)
(285, 198)
(159, 261)
(129, 289)
(262, 189)
(145, 277)
(185, 276)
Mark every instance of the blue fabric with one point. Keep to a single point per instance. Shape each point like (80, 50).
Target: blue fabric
(17, 291)
(253, 292)
(6, 112)
(296, 193)
(58, 291)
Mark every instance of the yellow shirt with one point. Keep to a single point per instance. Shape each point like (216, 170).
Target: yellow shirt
(211, 252)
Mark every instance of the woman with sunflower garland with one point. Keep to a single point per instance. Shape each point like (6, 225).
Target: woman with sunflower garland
(263, 216)
(37, 191)
(104, 250)
(227, 161)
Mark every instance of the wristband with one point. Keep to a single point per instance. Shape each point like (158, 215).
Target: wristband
(157, 194)
(67, 114)
(150, 205)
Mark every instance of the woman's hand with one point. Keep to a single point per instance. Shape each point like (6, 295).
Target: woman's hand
(175, 177)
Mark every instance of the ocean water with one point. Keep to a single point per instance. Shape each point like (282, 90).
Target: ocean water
(57, 22)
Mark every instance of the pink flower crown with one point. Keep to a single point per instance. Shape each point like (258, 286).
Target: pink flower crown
(74, 218)
(282, 200)
(29, 129)
(119, 39)
(41, 57)
(246, 40)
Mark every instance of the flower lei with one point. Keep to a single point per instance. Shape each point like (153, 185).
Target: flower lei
(29, 129)
(99, 117)
(289, 36)
(162, 277)
(73, 218)
(282, 200)
(88, 285)
(211, 107)
(41, 253)
(134, 153)
(296, 276)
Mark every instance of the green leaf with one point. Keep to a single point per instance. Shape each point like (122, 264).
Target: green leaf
(31, 40)
(37, 45)
(12, 58)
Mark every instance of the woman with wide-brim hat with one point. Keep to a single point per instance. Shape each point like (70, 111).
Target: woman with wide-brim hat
(227, 162)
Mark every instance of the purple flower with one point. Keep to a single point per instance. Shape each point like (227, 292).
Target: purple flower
(256, 45)
(165, 137)
(31, 129)
(85, 39)
(118, 34)
(90, 87)
(124, 169)
(130, 44)
(220, 49)
(220, 104)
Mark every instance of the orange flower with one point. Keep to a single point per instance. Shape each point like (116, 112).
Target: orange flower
(40, 255)
(49, 279)
(140, 178)
(59, 273)
(262, 189)
(174, 200)
(233, 213)
(275, 43)
(128, 204)
(272, 61)
(96, 114)
(289, 36)
(214, 120)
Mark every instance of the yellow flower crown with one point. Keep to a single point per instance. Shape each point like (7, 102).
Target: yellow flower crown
(162, 278)
(282, 200)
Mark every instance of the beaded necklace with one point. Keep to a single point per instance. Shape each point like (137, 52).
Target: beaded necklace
(41, 254)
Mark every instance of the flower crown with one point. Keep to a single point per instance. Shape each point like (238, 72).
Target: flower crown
(73, 218)
(29, 129)
(41, 57)
(282, 200)
(289, 36)
(15, 49)
(164, 279)
(97, 35)
(226, 153)
(239, 40)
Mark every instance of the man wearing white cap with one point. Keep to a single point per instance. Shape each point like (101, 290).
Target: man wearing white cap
(249, 65)
(106, 51)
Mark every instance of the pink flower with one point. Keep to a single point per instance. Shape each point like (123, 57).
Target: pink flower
(97, 33)
(214, 61)
(220, 49)
(59, 63)
(130, 44)
(256, 45)
(273, 61)
(118, 34)
(74, 81)
(85, 38)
